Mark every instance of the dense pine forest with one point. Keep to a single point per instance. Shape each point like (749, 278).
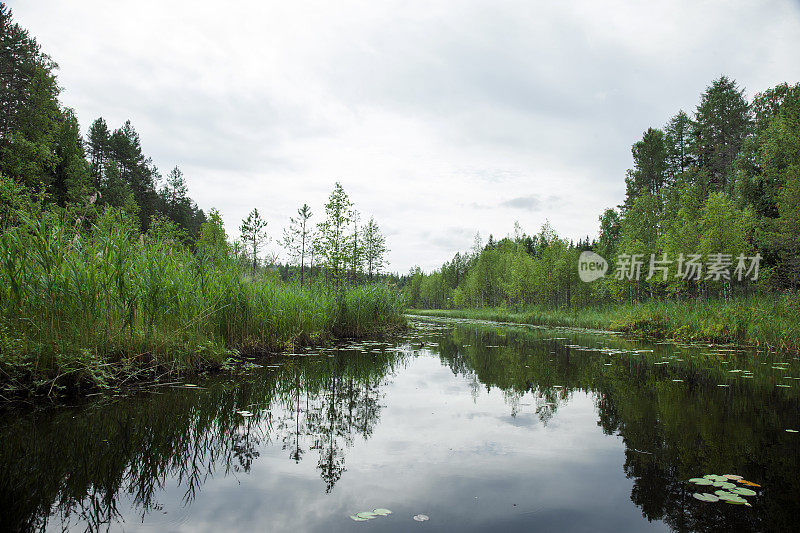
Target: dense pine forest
(110, 272)
(719, 187)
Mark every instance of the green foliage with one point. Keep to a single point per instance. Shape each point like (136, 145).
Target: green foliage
(297, 238)
(17, 202)
(253, 236)
(650, 166)
(374, 248)
(333, 238)
(84, 307)
(761, 320)
(712, 188)
(722, 123)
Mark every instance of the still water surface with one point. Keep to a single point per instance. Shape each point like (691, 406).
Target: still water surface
(479, 426)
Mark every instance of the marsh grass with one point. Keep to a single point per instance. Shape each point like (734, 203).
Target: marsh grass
(91, 307)
(768, 321)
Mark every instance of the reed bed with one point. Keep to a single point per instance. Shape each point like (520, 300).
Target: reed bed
(769, 321)
(98, 305)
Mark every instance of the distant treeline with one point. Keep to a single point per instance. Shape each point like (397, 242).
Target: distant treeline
(723, 180)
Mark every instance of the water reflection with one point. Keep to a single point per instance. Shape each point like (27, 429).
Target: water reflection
(121, 460)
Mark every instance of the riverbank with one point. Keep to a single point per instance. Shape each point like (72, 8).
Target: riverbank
(92, 310)
(769, 322)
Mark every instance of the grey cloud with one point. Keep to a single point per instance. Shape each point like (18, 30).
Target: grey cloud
(529, 203)
(267, 103)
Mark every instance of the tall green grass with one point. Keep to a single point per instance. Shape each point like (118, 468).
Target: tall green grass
(98, 305)
(770, 321)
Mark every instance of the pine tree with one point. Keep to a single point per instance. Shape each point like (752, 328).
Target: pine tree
(649, 166)
(678, 135)
(375, 249)
(297, 238)
(29, 108)
(722, 122)
(98, 147)
(253, 236)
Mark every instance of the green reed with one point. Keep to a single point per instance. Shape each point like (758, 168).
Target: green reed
(770, 321)
(92, 305)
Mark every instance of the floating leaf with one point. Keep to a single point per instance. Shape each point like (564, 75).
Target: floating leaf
(382, 512)
(729, 496)
(366, 515)
(741, 491)
(700, 481)
(749, 483)
(740, 501)
(733, 476)
(724, 485)
(706, 497)
(357, 518)
(792, 431)
(421, 517)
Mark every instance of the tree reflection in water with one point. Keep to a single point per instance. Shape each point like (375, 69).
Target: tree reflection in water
(71, 465)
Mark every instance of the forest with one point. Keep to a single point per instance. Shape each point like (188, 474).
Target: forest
(720, 185)
(110, 272)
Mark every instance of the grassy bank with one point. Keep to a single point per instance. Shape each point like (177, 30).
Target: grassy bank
(772, 322)
(97, 307)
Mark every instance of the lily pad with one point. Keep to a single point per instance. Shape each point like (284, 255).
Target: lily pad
(700, 481)
(729, 496)
(792, 431)
(382, 512)
(724, 485)
(749, 483)
(421, 517)
(366, 515)
(357, 518)
(706, 497)
(740, 501)
(741, 491)
(733, 476)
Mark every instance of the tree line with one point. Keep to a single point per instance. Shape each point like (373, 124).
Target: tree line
(722, 182)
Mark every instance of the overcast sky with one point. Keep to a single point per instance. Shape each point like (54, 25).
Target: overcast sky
(439, 118)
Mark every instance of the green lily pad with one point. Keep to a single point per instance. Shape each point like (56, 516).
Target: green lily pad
(792, 431)
(733, 476)
(700, 481)
(741, 491)
(357, 518)
(729, 496)
(382, 512)
(706, 497)
(740, 501)
(724, 485)
(366, 515)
